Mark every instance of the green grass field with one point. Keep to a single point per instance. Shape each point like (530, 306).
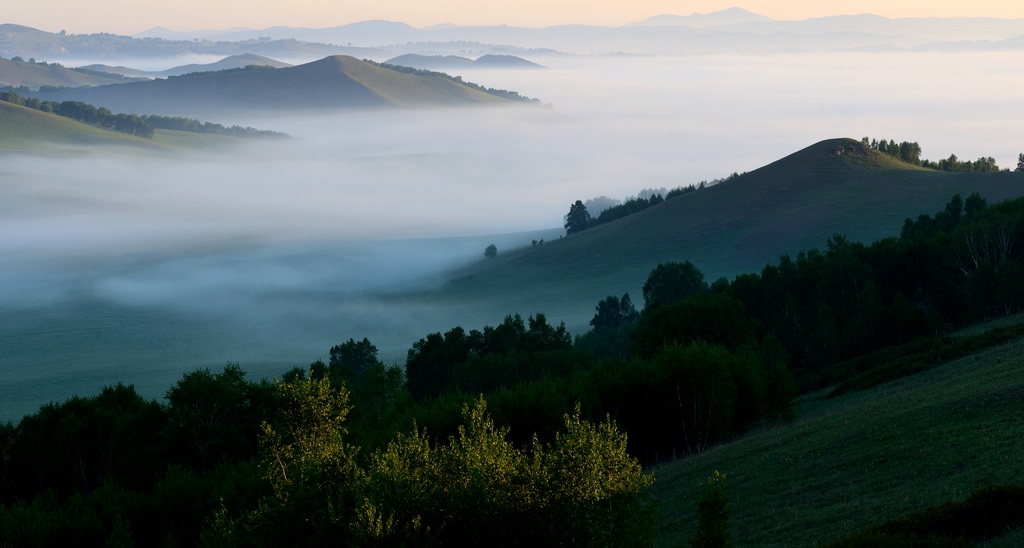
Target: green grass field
(856, 461)
(26, 130)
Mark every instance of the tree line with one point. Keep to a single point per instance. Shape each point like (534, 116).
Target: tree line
(232, 462)
(133, 124)
(825, 307)
(910, 152)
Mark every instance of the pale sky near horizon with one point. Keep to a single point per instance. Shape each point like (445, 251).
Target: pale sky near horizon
(133, 16)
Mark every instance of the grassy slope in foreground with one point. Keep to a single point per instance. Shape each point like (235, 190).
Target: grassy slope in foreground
(865, 458)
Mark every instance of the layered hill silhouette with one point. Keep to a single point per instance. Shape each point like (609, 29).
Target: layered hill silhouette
(230, 62)
(333, 82)
(33, 75)
(455, 62)
(737, 226)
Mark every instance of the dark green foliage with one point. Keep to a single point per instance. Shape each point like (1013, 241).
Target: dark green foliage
(479, 489)
(1020, 162)
(578, 218)
(911, 153)
(613, 325)
(491, 251)
(718, 319)
(681, 190)
(375, 390)
(614, 314)
(84, 443)
(629, 207)
(85, 113)
(310, 468)
(713, 514)
(671, 282)
(196, 126)
(485, 361)
(216, 416)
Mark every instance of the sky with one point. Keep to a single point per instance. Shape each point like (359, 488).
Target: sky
(133, 16)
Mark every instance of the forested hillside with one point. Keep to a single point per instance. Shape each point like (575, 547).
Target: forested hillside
(488, 434)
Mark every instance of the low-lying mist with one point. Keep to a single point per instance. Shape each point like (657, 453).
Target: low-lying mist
(136, 266)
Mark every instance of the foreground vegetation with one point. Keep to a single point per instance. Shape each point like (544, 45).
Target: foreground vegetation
(488, 434)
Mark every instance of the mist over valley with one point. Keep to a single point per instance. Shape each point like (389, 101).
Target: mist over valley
(125, 265)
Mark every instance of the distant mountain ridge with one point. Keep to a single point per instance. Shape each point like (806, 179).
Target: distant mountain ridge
(729, 16)
(333, 82)
(231, 62)
(454, 62)
(733, 30)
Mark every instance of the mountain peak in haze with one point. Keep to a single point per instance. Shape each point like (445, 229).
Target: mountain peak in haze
(730, 16)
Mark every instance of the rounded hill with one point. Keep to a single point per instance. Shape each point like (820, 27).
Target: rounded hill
(337, 81)
(737, 226)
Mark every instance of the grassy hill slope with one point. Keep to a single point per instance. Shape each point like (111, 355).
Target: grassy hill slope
(23, 128)
(737, 226)
(33, 75)
(27, 130)
(333, 82)
(856, 461)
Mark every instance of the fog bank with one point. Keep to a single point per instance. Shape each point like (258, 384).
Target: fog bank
(135, 266)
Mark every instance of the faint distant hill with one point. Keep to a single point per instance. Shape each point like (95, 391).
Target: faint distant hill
(33, 75)
(231, 62)
(333, 82)
(18, 40)
(454, 62)
(737, 226)
(730, 16)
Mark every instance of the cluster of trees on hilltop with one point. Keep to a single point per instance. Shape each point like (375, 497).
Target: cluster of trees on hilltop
(910, 152)
(503, 93)
(76, 110)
